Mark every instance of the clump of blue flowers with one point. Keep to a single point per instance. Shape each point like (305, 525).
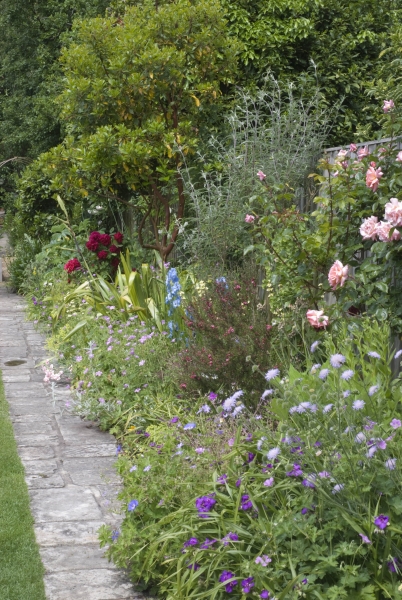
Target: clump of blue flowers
(173, 298)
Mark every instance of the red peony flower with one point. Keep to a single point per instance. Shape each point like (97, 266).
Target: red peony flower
(102, 255)
(94, 236)
(118, 237)
(113, 249)
(92, 245)
(105, 239)
(72, 265)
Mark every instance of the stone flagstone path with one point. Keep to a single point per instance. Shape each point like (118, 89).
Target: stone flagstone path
(68, 464)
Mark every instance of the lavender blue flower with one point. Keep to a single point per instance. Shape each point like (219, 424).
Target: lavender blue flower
(273, 453)
(396, 423)
(360, 438)
(365, 539)
(346, 393)
(189, 426)
(358, 404)
(348, 374)
(390, 464)
(315, 368)
(373, 390)
(323, 374)
(374, 354)
(266, 393)
(337, 360)
(314, 346)
(398, 354)
(272, 374)
(269, 482)
(327, 408)
(338, 488)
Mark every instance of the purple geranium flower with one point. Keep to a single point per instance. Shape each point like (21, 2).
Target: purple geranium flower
(204, 505)
(207, 544)
(381, 521)
(264, 594)
(225, 576)
(212, 396)
(308, 484)
(247, 584)
(296, 471)
(395, 423)
(132, 505)
(222, 479)
(246, 503)
(230, 537)
(191, 542)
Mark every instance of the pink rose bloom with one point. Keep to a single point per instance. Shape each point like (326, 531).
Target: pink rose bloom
(352, 147)
(381, 151)
(342, 153)
(373, 164)
(399, 157)
(373, 177)
(393, 212)
(383, 231)
(368, 229)
(249, 219)
(317, 319)
(388, 105)
(261, 175)
(362, 152)
(338, 274)
(344, 164)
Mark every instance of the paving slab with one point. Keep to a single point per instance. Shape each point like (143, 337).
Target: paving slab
(69, 471)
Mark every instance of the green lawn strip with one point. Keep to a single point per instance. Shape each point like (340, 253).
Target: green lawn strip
(21, 569)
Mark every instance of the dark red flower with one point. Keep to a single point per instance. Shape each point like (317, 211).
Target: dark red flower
(113, 249)
(92, 245)
(94, 236)
(115, 262)
(105, 239)
(118, 237)
(102, 255)
(72, 265)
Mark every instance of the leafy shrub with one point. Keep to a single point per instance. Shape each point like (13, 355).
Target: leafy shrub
(230, 327)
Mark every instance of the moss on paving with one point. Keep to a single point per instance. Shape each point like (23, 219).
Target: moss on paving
(21, 569)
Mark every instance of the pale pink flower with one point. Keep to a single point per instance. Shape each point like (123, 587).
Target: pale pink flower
(381, 151)
(341, 154)
(352, 147)
(249, 219)
(368, 229)
(373, 177)
(383, 231)
(344, 164)
(317, 319)
(399, 157)
(362, 152)
(338, 274)
(388, 105)
(261, 175)
(373, 164)
(393, 212)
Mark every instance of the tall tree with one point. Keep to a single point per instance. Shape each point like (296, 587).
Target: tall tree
(137, 89)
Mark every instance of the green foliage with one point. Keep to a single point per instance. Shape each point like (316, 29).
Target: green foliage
(340, 43)
(136, 91)
(24, 254)
(304, 511)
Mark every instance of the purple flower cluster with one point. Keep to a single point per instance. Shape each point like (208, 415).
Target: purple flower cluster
(246, 503)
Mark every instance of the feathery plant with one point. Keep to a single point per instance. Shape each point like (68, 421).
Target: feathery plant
(280, 130)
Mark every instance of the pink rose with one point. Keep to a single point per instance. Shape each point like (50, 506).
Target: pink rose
(344, 164)
(383, 231)
(261, 175)
(352, 147)
(393, 212)
(338, 274)
(399, 157)
(373, 164)
(362, 152)
(342, 153)
(368, 229)
(249, 219)
(373, 177)
(388, 105)
(317, 319)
